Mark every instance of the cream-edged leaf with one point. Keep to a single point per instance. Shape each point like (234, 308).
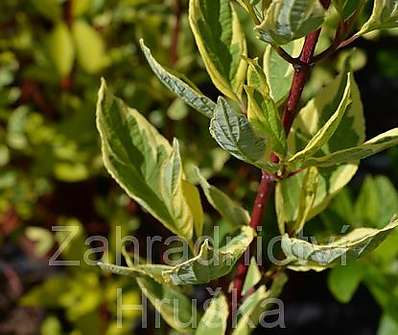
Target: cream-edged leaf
(221, 43)
(384, 16)
(230, 210)
(279, 72)
(253, 276)
(180, 86)
(211, 263)
(175, 307)
(153, 271)
(322, 136)
(143, 163)
(214, 321)
(349, 133)
(234, 134)
(369, 148)
(303, 255)
(264, 117)
(287, 20)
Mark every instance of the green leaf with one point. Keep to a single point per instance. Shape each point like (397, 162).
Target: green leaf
(173, 305)
(264, 117)
(180, 86)
(253, 276)
(154, 271)
(61, 49)
(255, 304)
(211, 263)
(343, 281)
(384, 16)
(303, 256)
(278, 71)
(229, 209)
(287, 20)
(90, 47)
(256, 77)
(377, 202)
(369, 148)
(233, 133)
(349, 133)
(214, 321)
(143, 163)
(249, 310)
(346, 8)
(307, 199)
(221, 43)
(323, 135)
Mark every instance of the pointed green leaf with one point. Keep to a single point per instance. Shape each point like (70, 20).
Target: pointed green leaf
(221, 43)
(303, 256)
(214, 321)
(143, 163)
(180, 86)
(251, 310)
(278, 71)
(253, 276)
(343, 281)
(349, 133)
(307, 198)
(90, 47)
(211, 263)
(377, 202)
(288, 20)
(247, 322)
(384, 16)
(61, 49)
(233, 133)
(229, 209)
(295, 198)
(369, 148)
(323, 135)
(264, 117)
(256, 77)
(173, 305)
(153, 271)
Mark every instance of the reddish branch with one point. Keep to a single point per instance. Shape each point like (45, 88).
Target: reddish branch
(267, 184)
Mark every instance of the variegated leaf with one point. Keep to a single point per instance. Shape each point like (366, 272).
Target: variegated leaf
(175, 307)
(221, 43)
(182, 87)
(384, 16)
(304, 256)
(144, 164)
(214, 321)
(234, 134)
(287, 20)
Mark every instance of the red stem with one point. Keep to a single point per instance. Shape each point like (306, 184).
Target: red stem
(267, 183)
(299, 79)
(264, 191)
